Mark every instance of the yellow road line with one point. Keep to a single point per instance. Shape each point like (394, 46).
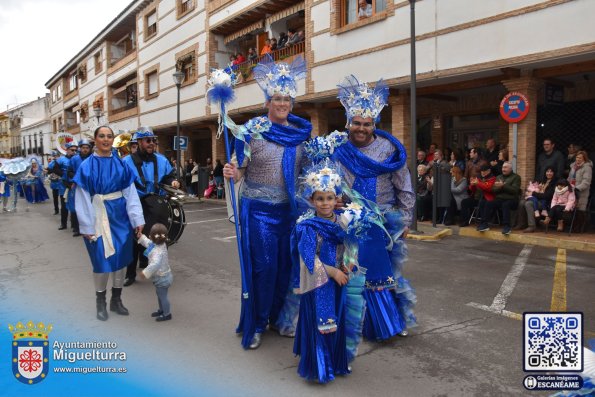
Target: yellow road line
(559, 290)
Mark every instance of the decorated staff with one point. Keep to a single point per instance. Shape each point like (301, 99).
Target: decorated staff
(268, 155)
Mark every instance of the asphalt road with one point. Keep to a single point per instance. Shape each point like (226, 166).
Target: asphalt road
(471, 294)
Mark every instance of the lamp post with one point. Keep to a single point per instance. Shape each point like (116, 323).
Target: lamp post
(178, 79)
(97, 112)
(413, 114)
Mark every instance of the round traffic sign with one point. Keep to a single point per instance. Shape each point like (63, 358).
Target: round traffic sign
(514, 107)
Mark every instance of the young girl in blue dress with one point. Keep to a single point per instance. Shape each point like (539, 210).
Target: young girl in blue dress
(331, 303)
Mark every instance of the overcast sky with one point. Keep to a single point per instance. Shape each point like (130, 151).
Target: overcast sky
(40, 36)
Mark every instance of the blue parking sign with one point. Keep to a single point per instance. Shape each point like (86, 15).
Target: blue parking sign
(183, 143)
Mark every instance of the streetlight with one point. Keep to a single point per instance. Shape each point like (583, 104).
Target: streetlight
(97, 112)
(178, 79)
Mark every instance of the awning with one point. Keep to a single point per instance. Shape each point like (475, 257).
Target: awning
(245, 31)
(285, 13)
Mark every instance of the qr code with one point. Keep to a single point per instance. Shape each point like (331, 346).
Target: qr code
(553, 342)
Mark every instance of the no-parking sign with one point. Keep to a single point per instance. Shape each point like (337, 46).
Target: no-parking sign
(514, 107)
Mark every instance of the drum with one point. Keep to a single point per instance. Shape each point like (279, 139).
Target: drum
(176, 221)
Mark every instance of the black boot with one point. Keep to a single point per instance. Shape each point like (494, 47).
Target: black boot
(101, 305)
(115, 304)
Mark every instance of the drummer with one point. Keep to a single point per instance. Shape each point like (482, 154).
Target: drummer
(150, 169)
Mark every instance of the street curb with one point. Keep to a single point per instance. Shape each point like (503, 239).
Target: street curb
(431, 237)
(532, 240)
(204, 200)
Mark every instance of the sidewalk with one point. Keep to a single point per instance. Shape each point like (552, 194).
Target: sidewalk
(576, 241)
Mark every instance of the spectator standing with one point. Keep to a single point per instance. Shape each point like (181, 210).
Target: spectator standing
(252, 54)
(218, 173)
(266, 48)
(292, 39)
(188, 177)
(459, 190)
(364, 9)
(457, 159)
(474, 164)
(194, 177)
(421, 158)
(282, 40)
(507, 188)
(274, 44)
(491, 154)
(431, 150)
(550, 157)
(580, 177)
(502, 157)
(441, 178)
(573, 149)
(424, 193)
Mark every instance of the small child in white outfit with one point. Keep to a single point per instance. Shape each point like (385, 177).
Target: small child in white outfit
(158, 270)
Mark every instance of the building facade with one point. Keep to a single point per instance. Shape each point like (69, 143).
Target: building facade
(469, 55)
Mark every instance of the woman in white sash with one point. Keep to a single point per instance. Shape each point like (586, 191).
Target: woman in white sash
(108, 209)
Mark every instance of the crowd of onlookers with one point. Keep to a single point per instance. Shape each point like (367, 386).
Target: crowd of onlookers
(189, 178)
(285, 40)
(480, 185)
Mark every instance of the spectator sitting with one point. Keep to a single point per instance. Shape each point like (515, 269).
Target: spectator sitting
(562, 202)
(421, 158)
(458, 188)
(266, 48)
(240, 58)
(507, 188)
(550, 158)
(365, 9)
(252, 54)
(282, 40)
(538, 197)
(274, 44)
(484, 185)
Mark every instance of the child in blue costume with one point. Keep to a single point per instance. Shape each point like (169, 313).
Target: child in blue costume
(331, 311)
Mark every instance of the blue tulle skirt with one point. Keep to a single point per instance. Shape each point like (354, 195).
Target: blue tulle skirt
(36, 192)
(322, 356)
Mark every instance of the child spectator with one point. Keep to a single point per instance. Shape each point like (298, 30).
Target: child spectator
(240, 58)
(562, 202)
(266, 48)
(158, 270)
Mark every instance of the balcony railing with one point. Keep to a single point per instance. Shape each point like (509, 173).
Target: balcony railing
(245, 68)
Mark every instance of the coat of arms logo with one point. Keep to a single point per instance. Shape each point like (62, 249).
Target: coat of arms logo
(30, 351)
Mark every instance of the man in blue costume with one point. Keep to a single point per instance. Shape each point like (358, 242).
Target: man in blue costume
(269, 153)
(110, 213)
(55, 181)
(150, 169)
(61, 168)
(75, 163)
(373, 163)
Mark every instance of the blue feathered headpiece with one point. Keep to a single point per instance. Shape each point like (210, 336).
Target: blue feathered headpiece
(321, 177)
(279, 78)
(221, 85)
(359, 99)
(319, 148)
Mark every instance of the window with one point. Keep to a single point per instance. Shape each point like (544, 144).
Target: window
(357, 10)
(186, 62)
(123, 95)
(59, 90)
(152, 82)
(82, 72)
(54, 95)
(183, 7)
(150, 24)
(72, 82)
(98, 62)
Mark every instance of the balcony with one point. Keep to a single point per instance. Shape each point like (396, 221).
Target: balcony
(123, 100)
(285, 54)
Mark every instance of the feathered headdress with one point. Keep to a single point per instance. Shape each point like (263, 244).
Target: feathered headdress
(279, 78)
(321, 177)
(359, 99)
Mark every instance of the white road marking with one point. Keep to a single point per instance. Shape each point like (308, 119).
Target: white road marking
(508, 285)
(225, 239)
(206, 209)
(208, 220)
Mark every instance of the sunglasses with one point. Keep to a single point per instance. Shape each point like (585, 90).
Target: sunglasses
(149, 140)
